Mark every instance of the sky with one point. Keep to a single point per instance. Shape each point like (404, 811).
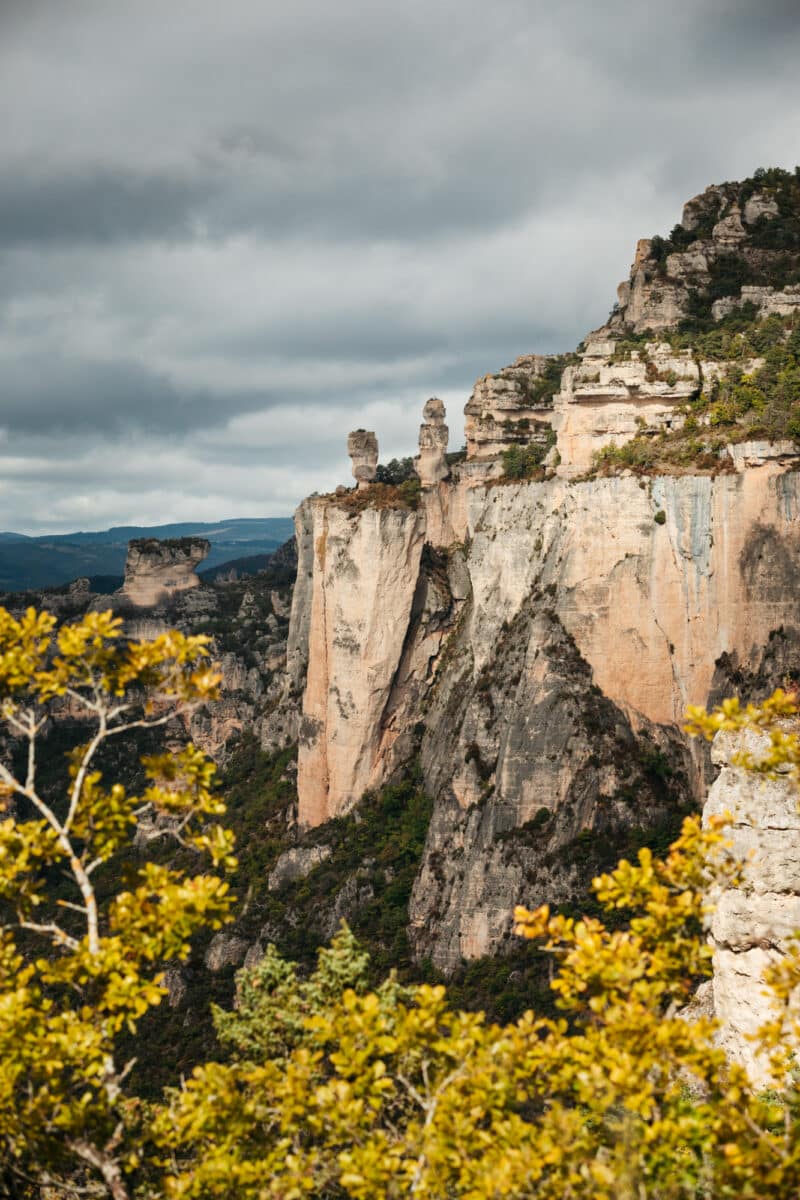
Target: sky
(230, 233)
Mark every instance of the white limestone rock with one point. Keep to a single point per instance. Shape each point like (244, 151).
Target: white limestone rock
(753, 924)
(760, 204)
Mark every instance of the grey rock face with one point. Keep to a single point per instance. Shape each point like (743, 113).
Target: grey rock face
(225, 950)
(530, 765)
(656, 295)
(296, 864)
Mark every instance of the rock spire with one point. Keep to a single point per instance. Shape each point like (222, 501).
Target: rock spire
(362, 446)
(431, 464)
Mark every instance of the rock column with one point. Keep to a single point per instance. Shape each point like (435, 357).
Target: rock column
(362, 446)
(431, 465)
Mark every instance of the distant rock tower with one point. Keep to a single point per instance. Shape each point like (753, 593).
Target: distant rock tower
(157, 569)
(362, 446)
(431, 465)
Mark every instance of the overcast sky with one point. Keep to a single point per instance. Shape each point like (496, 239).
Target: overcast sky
(231, 232)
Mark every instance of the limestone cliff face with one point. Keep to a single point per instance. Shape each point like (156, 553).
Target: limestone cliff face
(539, 657)
(363, 584)
(589, 629)
(752, 924)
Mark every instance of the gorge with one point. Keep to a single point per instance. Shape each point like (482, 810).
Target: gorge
(482, 668)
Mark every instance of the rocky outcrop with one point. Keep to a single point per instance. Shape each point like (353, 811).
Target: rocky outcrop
(509, 408)
(249, 620)
(295, 863)
(714, 230)
(431, 464)
(362, 446)
(156, 570)
(768, 301)
(225, 950)
(608, 397)
(754, 923)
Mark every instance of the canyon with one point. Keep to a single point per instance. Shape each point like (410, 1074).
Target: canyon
(516, 630)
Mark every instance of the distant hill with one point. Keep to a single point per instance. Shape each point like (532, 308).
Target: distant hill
(53, 559)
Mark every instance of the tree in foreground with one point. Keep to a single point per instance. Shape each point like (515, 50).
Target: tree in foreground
(78, 968)
(335, 1090)
(331, 1089)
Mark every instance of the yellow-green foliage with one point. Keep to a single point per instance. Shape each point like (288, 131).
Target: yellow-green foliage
(334, 1090)
(331, 1089)
(78, 969)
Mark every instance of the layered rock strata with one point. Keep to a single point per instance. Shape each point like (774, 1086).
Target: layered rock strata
(508, 408)
(607, 399)
(753, 924)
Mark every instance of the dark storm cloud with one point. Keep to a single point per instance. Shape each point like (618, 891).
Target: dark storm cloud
(230, 233)
(76, 398)
(95, 205)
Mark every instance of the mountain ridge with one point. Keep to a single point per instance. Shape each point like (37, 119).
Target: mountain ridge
(51, 560)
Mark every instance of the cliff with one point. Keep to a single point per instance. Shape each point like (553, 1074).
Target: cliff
(531, 627)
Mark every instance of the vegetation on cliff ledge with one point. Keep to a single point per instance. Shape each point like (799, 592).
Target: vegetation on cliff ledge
(754, 396)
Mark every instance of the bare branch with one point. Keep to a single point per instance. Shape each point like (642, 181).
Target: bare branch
(102, 1161)
(51, 930)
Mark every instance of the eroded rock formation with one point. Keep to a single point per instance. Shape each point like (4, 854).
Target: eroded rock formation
(362, 446)
(663, 278)
(158, 569)
(509, 408)
(431, 464)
